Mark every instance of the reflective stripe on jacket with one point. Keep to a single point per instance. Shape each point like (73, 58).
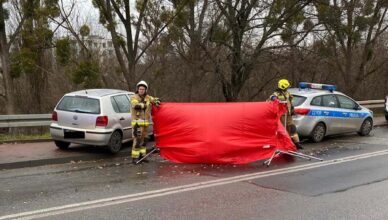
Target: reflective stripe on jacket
(140, 123)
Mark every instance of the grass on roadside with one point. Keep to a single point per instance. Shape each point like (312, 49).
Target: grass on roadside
(19, 137)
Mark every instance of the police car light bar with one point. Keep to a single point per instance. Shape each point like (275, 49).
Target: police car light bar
(305, 85)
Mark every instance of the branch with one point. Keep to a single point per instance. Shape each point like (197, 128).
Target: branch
(146, 69)
(141, 16)
(262, 87)
(216, 64)
(118, 12)
(160, 31)
(65, 19)
(224, 12)
(377, 67)
(286, 15)
(16, 32)
(202, 15)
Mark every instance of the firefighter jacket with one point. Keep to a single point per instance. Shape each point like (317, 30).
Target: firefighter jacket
(141, 109)
(284, 97)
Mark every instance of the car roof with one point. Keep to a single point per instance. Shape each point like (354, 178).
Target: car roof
(97, 92)
(311, 92)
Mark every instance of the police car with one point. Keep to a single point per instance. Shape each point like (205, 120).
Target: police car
(320, 110)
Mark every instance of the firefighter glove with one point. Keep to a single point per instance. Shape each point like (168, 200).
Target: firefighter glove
(140, 106)
(157, 102)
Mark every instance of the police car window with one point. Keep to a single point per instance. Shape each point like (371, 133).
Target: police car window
(298, 100)
(122, 103)
(317, 101)
(345, 102)
(329, 101)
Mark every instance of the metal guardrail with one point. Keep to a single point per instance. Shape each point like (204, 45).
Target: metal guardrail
(372, 103)
(31, 120)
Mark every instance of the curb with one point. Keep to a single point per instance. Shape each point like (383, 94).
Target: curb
(61, 160)
(26, 141)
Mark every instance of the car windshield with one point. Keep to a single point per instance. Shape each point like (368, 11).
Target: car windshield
(298, 100)
(79, 104)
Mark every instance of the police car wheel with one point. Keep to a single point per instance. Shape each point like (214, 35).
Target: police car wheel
(115, 142)
(318, 133)
(386, 117)
(366, 127)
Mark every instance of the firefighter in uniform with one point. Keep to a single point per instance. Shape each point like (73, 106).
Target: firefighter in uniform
(285, 97)
(141, 104)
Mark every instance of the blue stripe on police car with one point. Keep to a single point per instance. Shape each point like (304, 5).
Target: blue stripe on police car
(337, 114)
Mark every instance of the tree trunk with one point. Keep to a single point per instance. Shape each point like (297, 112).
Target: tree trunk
(4, 49)
(131, 78)
(8, 86)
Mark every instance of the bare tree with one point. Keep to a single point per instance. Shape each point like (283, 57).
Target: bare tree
(73, 52)
(247, 29)
(352, 31)
(6, 40)
(128, 50)
(185, 37)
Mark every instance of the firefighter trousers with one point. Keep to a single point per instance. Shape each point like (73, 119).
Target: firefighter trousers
(290, 127)
(139, 134)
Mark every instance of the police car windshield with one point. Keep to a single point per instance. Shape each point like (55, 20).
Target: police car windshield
(298, 100)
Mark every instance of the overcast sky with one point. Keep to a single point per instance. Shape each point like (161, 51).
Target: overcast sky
(84, 13)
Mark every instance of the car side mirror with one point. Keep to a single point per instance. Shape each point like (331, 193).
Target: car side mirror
(357, 108)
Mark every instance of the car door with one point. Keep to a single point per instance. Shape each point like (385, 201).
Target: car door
(121, 106)
(330, 112)
(350, 115)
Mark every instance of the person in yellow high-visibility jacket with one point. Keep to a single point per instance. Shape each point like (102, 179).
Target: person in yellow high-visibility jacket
(141, 104)
(285, 97)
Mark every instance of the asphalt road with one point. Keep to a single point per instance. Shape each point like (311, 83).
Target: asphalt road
(350, 183)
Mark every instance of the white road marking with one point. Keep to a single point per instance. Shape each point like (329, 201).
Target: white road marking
(179, 189)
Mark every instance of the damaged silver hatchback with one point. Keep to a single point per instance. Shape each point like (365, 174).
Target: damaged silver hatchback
(100, 117)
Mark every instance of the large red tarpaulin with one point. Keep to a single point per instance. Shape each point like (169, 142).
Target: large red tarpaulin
(229, 133)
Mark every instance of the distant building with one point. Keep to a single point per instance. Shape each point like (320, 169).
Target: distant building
(97, 44)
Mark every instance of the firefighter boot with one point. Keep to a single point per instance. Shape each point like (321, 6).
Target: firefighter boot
(143, 152)
(135, 155)
(298, 146)
(135, 160)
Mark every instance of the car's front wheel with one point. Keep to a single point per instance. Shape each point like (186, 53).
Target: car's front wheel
(115, 142)
(366, 127)
(318, 133)
(386, 117)
(62, 145)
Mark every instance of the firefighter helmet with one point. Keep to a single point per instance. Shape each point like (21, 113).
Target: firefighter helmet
(283, 84)
(141, 83)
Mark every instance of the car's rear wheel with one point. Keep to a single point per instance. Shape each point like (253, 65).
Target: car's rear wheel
(386, 116)
(115, 142)
(366, 127)
(318, 133)
(62, 145)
